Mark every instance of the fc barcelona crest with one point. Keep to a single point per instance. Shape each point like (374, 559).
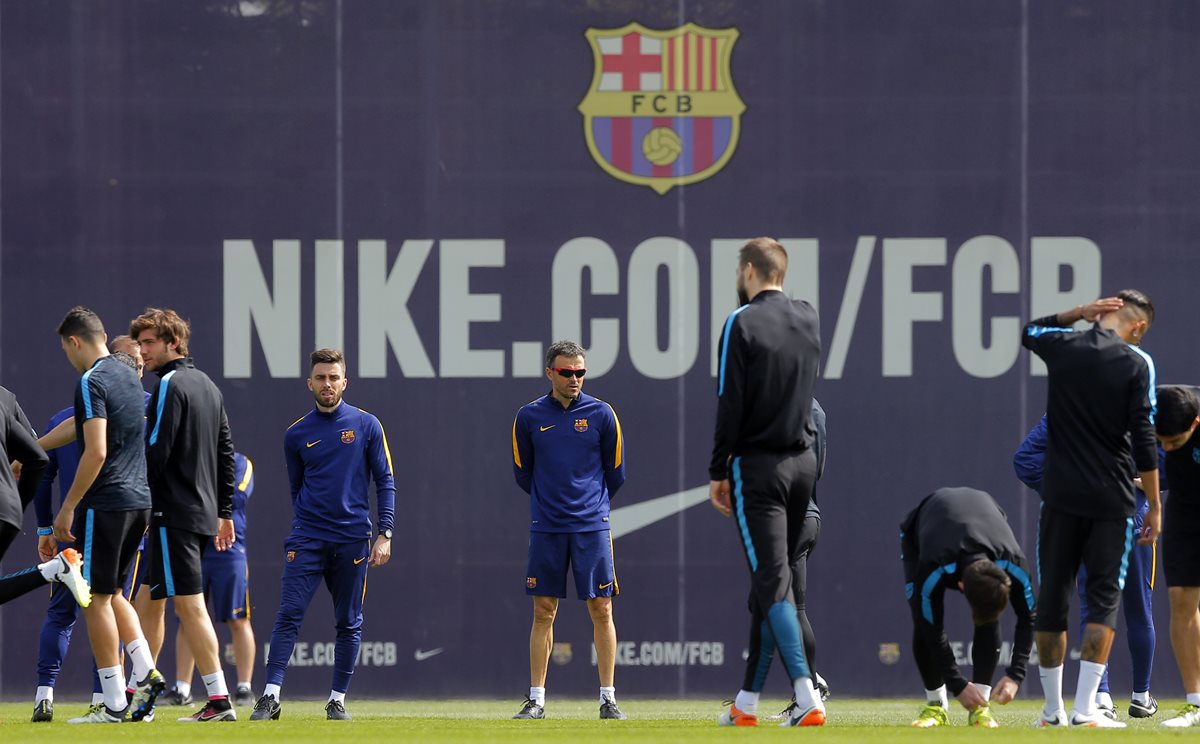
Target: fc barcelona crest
(291, 556)
(661, 110)
(581, 425)
(348, 436)
(889, 653)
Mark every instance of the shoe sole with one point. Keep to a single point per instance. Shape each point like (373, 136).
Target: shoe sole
(812, 718)
(75, 583)
(156, 688)
(223, 716)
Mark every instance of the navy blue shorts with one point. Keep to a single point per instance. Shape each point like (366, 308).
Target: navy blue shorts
(589, 554)
(227, 585)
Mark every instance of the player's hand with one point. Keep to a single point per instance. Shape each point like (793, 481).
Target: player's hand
(62, 525)
(16, 469)
(971, 698)
(1092, 311)
(381, 551)
(225, 537)
(47, 547)
(718, 494)
(1005, 690)
(1151, 526)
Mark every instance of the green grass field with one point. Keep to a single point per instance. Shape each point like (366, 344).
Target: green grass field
(573, 721)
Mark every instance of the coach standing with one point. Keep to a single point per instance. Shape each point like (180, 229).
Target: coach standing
(1100, 409)
(568, 456)
(769, 352)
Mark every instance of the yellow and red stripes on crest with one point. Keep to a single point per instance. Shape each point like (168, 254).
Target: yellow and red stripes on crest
(691, 62)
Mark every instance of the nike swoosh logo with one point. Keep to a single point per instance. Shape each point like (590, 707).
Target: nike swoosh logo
(312, 443)
(634, 517)
(547, 428)
(154, 587)
(109, 676)
(605, 586)
(360, 560)
(420, 655)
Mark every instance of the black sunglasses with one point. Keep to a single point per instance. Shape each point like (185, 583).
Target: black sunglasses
(569, 373)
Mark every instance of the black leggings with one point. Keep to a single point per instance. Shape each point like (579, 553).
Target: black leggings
(22, 582)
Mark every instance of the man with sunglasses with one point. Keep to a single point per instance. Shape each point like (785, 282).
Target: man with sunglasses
(568, 456)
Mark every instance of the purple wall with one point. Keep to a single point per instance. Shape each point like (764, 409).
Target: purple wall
(412, 181)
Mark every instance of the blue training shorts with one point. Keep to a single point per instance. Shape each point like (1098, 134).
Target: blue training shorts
(227, 586)
(589, 554)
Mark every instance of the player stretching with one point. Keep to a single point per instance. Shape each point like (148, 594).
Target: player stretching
(568, 456)
(959, 539)
(333, 452)
(1178, 429)
(1100, 409)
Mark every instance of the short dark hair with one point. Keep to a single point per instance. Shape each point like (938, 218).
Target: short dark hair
(986, 587)
(1177, 409)
(81, 323)
(125, 359)
(326, 356)
(768, 257)
(1137, 303)
(167, 325)
(563, 348)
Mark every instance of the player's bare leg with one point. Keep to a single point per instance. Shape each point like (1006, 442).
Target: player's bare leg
(541, 639)
(152, 613)
(197, 627)
(1185, 640)
(185, 663)
(243, 649)
(604, 634)
(102, 631)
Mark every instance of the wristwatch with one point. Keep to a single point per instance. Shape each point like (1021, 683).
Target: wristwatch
(385, 534)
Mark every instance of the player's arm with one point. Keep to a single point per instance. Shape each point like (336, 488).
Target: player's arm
(380, 460)
(1030, 457)
(295, 464)
(160, 437)
(1142, 404)
(91, 460)
(1020, 596)
(226, 485)
(820, 437)
(1042, 334)
(731, 380)
(613, 453)
(22, 446)
(60, 435)
(245, 482)
(522, 447)
(43, 506)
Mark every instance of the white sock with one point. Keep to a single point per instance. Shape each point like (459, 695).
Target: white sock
(538, 695)
(338, 696)
(746, 701)
(1052, 688)
(50, 568)
(272, 690)
(1089, 683)
(139, 653)
(1193, 698)
(243, 685)
(938, 697)
(183, 688)
(1105, 699)
(806, 695)
(44, 692)
(608, 694)
(1142, 697)
(985, 690)
(97, 697)
(214, 684)
(112, 681)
